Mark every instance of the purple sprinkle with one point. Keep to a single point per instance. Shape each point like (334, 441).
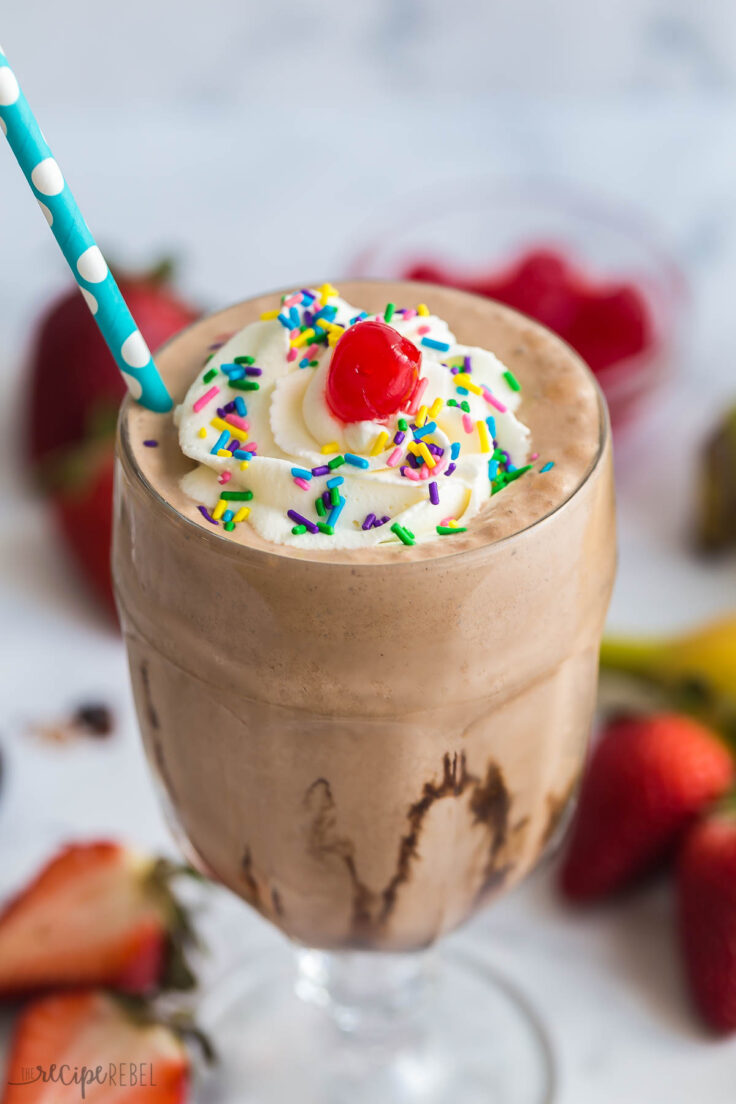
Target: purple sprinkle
(400, 435)
(454, 369)
(234, 445)
(321, 470)
(206, 514)
(468, 365)
(414, 463)
(327, 499)
(369, 521)
(383, 521)
(230, 408)
(221, 412)
(506, 457)
(451, 469)
(434, 494)
(402, 469)
(299, 520)
(436, 450)
(151, 444)
(253, 371)
(308, 318)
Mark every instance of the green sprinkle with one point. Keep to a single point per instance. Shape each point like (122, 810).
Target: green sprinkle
(498, 454)
(209, 376)
(320, 507)
(512, 381)
(389, 312)
(324, 528)
(245, 385)
(229, 525)
(401, 533)
(403, 425)
(452, 402)
(209, 358)
(313, 363)
(464, 405)
(244, 360)
(448, 530)
(298, 530)
(236, 496)
(511, 476)
(335, 462)
(335, 496)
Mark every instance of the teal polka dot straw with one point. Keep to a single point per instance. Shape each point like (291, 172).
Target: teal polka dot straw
(94, 278)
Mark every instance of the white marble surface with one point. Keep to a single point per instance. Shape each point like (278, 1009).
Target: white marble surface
(260, 140)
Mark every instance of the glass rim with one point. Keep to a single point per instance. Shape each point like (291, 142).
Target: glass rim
(236, 549)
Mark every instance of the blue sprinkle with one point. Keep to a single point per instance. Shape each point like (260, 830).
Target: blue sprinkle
(432, 343)
(307, 295)
(510, 467)
(220, 443)
(491, 423)
(462, 390)
(455, 450)
(430, 427)
(492, 469)
(304, 362)
(327, 312)
(358, 317)
(295, 319)
(356, 461)
(285, 321)
(547, 466)
(301, 473)
(335, 512)
(336, 481)
(228, 515)
(241, 454)
(240, 406)
(233, 371)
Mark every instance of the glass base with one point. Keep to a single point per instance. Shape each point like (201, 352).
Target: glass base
(359, 1028)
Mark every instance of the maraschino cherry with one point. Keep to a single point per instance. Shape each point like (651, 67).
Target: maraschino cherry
(373, 372)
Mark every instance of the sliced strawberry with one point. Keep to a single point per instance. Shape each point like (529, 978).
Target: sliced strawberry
(706, 888)
(97, 914)
(648, 778)
(88, 1046)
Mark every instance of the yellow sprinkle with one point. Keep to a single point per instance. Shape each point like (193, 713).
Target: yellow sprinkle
(485, 440)
(242, 513)
(219, 509)
(380, 443)
(436, 407)
(303, 339)
(421, 417)
(268, 316)
(424, 452)
(334, 336)
(224, 452)
(452, 523)
(244, 464)
(202, 432)
(326, 292)
(462, 379)
(423, 309)
(221, 424)
(324, 324)
(332, 447)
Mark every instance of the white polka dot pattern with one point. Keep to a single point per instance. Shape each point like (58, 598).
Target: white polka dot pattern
(133, 385)
(135, 351)
(9, 90)
(47, 177)
(92, 266)
(90, 300)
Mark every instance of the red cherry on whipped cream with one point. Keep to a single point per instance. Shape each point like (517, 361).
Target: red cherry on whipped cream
(372, 373)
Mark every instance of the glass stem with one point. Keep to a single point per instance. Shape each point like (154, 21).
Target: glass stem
(369, 994)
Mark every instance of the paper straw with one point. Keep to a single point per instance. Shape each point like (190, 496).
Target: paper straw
(81, 253)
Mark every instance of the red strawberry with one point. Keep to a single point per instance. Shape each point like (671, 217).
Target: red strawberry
(706, 886)
(97, 914)
(648, 778)
(89, 1046)
(75, 391)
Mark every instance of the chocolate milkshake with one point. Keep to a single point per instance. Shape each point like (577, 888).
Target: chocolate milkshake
(368, 715)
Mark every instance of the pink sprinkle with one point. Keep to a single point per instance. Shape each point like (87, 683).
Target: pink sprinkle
(394, 457)
(225, 477)
(408, 314)
(468, 423)
(425, 471)
(292, 354)
(446, 521)
(534, 456)
(250, 446)
(422, 330)
(493, 401)
(301, 483)
(204, 399)
(312, 352)
(416, 398)
(293, 300)
(293, 334)
(238, 422)
(411, 473)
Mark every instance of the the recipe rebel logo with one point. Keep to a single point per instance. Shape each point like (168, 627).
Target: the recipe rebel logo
(123, 1075)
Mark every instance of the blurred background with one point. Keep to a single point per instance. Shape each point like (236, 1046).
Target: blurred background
(276, 143)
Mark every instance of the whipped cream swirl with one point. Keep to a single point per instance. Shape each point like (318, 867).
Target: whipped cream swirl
(268, 447)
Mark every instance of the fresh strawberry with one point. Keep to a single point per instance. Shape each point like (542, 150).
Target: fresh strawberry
(75, 391)
(97, 914)
(91, 1046)
(706, 888)
(648, 779)
(75, 386)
